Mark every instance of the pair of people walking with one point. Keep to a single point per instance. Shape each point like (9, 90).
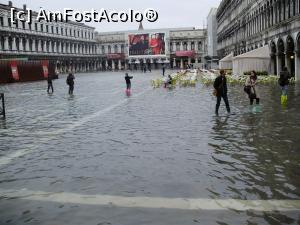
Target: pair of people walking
(221, 90)
(69, 81)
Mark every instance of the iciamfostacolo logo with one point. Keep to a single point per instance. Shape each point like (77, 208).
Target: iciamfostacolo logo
(93, 15)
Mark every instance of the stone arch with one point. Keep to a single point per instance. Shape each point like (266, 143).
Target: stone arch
(280, 46)
(273, 53)
(298, 42)
(280, 55)
(290, 45)
(290, 54)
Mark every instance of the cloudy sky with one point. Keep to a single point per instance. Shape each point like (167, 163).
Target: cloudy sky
(172, 13)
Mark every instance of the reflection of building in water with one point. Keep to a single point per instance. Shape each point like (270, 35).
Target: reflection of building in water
(66, 45)
(176, 47)
(248, 25)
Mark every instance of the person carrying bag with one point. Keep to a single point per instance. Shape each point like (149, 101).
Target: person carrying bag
(250, 88)
(220, 91)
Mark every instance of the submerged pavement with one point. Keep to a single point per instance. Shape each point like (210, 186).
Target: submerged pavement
(158, 157)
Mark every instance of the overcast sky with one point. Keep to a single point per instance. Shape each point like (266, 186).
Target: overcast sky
(172, 13)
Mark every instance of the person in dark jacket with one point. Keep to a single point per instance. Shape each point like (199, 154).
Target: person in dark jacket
(50, 84)
(128, 81)
(220, 86)
(70, 82)
(163, 70)
(284, 80)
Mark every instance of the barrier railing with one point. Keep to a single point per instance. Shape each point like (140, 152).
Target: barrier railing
(2, 107)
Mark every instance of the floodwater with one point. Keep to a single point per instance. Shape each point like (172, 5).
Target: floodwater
(157, 157)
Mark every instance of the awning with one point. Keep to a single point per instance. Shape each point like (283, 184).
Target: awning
(257, 60)
(259, 53)
(227, 58)
(185, 53)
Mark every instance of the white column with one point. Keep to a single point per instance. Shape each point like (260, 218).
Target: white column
(14, 47)
(278, 58)
(106, 64)
(54, 45)
(174, 46)
(120, 65)
(189, 46)
(181, 46)
(174, 62)
(21, 47)
(50, 46)
(5, 21)
(6, 43)
(45, 46)
(27, 45)
(181, 63)
(112, 64)
(33, 45)
(297, 66)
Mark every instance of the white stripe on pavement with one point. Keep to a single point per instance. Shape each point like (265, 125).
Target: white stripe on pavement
(154, 202)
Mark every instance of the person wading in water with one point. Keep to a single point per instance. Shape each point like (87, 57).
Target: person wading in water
(70, 82)
(220, 91)
(50, 84)
(128, 81)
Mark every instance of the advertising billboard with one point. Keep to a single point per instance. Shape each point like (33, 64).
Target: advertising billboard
(150, 44)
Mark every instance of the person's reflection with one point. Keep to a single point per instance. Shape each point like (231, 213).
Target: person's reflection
(3, 124)
(220, 124)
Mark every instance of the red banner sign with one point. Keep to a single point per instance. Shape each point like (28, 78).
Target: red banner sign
(14, 70)
(115, 56)
(45, 65)
(185, 53)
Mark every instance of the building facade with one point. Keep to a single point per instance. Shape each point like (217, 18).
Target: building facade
(70, 46)
(79, 48)
(212, 38)
(183, 46)
(245, 25)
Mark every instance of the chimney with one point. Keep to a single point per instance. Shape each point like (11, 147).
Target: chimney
(10, 4)
(24, 7)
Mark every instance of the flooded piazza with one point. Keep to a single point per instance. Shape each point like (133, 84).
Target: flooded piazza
(159, 156)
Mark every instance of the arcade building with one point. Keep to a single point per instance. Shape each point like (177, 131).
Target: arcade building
(182, 47)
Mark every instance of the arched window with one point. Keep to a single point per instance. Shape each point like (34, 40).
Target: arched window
(10, 41)
(30, 45)
(18, 44)
(192, 46)
(122, 49)
(116, 48)
(103, 49)
(109, 49)
(199, 46)
(185, 46)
